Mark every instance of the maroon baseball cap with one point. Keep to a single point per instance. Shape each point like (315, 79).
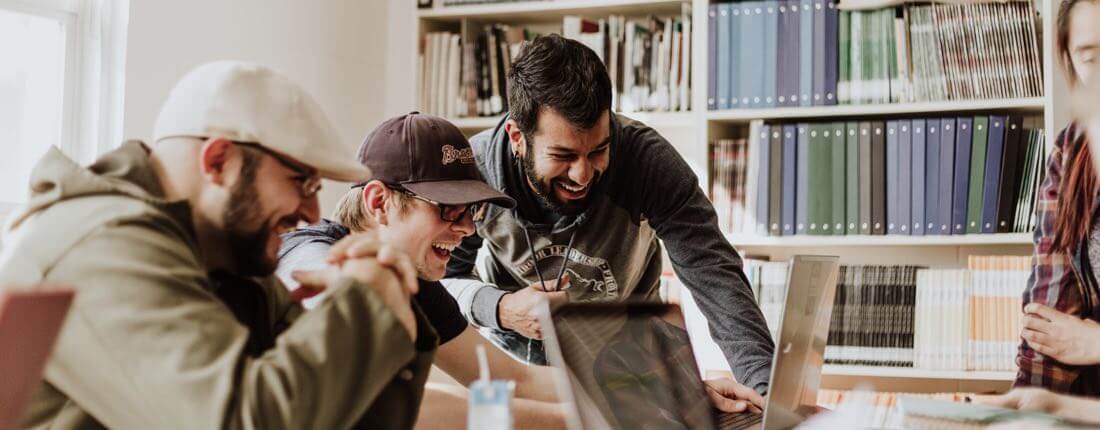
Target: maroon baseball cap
(430, 157)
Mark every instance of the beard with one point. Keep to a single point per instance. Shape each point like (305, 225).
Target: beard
(248, 247)
(543, 187)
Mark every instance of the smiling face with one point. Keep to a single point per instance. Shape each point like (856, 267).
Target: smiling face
(1084, 39)
(562, 162)
(265, 200)
(414, 226)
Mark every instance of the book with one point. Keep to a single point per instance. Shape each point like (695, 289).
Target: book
(851, 178)
(977, 175)
(865, 177)
(905, 177)
(802, 180)
(790, 151)
(897, 53)
(917, 221)
(991, 190)
(932, 177)
(947, 175)
(838, 177)
(961, 192)
(878, 178)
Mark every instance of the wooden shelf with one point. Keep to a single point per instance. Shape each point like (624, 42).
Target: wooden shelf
(652, 119)
(908, 372)
(743, 115)
(909, 380)
(747, 241)
(552, 10)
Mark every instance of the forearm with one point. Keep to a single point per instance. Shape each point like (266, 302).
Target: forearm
(537, 383)
(476, 300)
(1078, 408)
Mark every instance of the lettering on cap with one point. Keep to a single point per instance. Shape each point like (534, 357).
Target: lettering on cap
(464, 156)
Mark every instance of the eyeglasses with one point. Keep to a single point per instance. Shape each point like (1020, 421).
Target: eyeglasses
(451, 213)
(309, 183)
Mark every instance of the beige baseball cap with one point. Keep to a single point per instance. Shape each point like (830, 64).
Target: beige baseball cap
(247, 102)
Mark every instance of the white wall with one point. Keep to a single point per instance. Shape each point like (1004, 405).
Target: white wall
(335, 48)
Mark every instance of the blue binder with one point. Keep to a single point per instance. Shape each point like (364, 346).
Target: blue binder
(916, 224)
(963, 141)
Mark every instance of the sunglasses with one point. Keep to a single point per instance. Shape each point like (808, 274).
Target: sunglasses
(451, 213)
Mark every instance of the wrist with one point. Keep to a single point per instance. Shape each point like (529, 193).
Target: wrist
(485, 307)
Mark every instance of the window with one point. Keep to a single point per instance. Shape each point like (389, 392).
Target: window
(60, 84)
(31, 82)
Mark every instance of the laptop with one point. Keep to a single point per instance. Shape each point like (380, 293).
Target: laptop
(29, 323)
(631, 365)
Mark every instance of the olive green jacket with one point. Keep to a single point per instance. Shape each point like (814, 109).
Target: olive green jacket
(149, 345)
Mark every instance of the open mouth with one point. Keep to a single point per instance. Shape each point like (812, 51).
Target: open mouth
(443, 250)
(572, 192)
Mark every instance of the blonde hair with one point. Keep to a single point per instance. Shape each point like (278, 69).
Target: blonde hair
(352, 213)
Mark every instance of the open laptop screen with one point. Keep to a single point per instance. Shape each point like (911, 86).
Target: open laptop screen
(633, 363)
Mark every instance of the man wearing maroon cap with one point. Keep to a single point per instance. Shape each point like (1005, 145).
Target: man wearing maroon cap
(423, 197)
(594, 192)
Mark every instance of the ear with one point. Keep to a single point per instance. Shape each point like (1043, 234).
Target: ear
(215, 156)
(375, 197)
(516, 138)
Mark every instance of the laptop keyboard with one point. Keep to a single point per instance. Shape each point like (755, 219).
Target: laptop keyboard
(728, 421)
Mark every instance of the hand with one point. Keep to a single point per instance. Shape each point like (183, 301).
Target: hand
(518, 310)
(1064, 337)
(368, 245)
(730, 396)
(381, 268)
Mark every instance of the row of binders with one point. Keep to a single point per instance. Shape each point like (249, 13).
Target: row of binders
(648, 61)
(777, 53)
(906, 316)
(919, 176)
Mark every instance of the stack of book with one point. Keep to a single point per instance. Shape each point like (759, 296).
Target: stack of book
(648, 61)
(728, 181)
(808, 53)
(440, 81)
(905, 316)
(918, 176)
(979, 321)
(872, 323)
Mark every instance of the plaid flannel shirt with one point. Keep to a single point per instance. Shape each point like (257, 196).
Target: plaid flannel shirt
(1060, 281)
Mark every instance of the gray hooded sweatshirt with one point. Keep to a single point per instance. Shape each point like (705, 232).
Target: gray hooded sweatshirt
(647, 193)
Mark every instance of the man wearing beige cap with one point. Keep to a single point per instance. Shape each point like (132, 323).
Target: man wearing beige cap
(178, 321)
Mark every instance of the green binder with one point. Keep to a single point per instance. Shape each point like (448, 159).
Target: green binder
(977, 175)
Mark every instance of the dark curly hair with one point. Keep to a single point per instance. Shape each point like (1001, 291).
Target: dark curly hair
(561, 74)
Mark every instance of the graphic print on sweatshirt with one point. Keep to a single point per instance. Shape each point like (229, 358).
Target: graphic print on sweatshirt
(591, 278)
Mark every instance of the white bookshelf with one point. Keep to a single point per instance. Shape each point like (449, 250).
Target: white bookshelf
(905, 379)
(690, 132)
(909, 372)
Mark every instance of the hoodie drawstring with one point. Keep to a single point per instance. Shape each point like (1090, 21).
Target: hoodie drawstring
(542, 281)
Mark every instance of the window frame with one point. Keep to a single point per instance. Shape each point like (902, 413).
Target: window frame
(94, 75)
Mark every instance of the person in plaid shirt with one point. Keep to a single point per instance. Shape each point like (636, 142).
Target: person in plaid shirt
(1061, 337)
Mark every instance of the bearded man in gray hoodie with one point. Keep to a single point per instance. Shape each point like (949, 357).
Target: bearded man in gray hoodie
(595, 191)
